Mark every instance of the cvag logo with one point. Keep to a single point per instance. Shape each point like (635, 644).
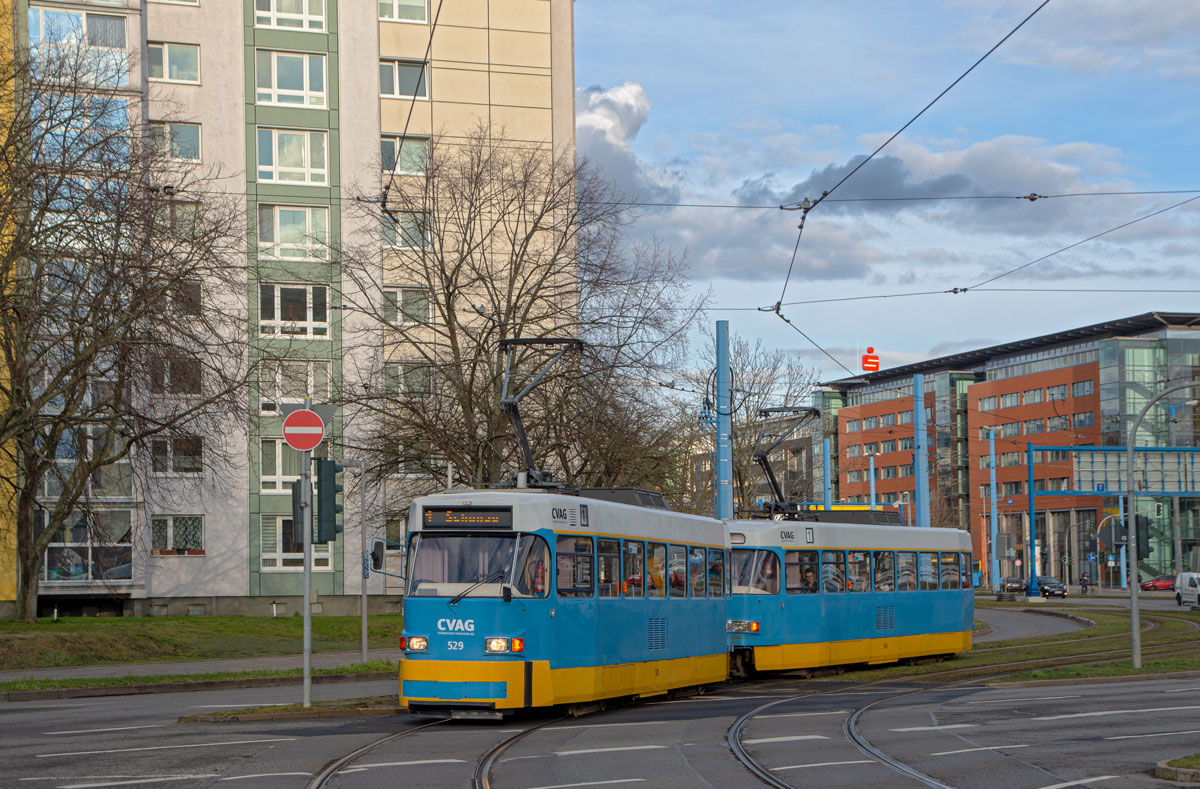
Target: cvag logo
(559, 514)
(456, 625)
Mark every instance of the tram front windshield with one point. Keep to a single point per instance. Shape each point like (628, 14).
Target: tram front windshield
(755, 572)
(479, 565)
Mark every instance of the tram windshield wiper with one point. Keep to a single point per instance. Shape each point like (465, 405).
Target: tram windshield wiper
(496, 576)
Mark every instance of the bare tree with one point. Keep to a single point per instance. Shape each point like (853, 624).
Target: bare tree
(497, 240)
(121, 306)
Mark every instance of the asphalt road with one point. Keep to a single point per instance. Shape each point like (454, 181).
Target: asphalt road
(1007, 623)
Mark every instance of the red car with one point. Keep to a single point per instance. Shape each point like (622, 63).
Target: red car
(1160, 584)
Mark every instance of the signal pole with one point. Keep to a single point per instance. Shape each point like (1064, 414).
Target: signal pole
(306, 508)
(724, 425)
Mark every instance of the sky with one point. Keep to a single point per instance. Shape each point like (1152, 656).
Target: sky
(680, 102)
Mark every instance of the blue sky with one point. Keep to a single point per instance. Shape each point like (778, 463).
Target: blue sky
(680, 102)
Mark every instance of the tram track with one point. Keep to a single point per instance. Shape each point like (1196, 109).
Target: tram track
(322, 777)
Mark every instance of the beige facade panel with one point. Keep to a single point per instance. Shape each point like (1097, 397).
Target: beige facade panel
(521, 90)
(454, 119)
(394, 114)
(524, 123)
(521, 49)
(459, 85)
(461, 44)
(533, 15)
(465, 13)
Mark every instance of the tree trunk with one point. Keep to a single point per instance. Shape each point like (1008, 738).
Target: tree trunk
(29, 560)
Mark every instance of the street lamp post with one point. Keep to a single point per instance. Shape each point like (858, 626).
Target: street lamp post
(995, 570)
(1130, 492)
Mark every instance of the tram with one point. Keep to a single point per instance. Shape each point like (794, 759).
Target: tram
(533, 597)
(809, 594)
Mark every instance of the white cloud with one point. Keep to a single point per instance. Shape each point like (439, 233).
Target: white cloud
(606, 123)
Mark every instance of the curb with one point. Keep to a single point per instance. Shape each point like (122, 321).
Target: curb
(1046, 683)
(1187, 774)
(234, 717)
(1062, 615)
(180, 687)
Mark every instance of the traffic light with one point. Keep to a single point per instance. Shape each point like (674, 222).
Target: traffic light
(377, 549)
(297, 514)
(1143, 536)
(329, 524)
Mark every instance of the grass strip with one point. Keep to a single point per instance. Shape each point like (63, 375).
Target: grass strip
(1118, 669)
(364, 703)
(1186, 762)
(160, 679)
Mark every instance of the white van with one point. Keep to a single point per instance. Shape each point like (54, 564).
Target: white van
(1187, 589)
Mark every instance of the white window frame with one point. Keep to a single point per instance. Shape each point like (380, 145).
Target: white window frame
(304, 251)
(273, 561)
(273, 480)
(86, 550)
(169, 362)
(394, 87)
(169, 444)
(166, 62)
(398, 158)
(394, 312)
(119, 62)
(312, 19)
(395, 17)
(317, 99)
(310, 172)
(308, 328)
(165, 128)
(396, 375)
(171, 550)
(400, 236)
(318, 382)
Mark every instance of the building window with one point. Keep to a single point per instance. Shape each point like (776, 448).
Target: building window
(292, 156)
(174, 62)
(1032, 396)
(280, 550)
(905, 417)
(870, 422)
(887, 420)
(290, 14)
(175, 373)
(853, 425)
(179, 455)
(887, 472)
(854, 476)
(1013, 488)
(985, 491)
(408, 379)
(289, 78)
(50, 29)
(177, 535)
(1011, 459)
(403, 79)
(987, 404)
(179, 142)
(1081, 388)
(404, 10)
(404, 230)
(291, 381)
(293, 310)
(1054, 423)
(1058, 456)
(95, 547)
(907, 444)
(279, 466)
(404, 155)
(407, 306)
(1057, 392)
(1010, 429)
(1033, 426)
(905, 470)
(1085, 419)
(296, 232)
(1058, 483)
(1010, 400)
(854, 451)
(887, 446)
(871, 448)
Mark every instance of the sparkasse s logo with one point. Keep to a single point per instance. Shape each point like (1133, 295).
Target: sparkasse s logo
(456, 625)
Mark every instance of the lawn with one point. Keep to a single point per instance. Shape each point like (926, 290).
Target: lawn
(159, 679)
(80, 641)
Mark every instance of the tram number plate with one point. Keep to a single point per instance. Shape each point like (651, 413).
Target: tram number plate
(456, 646)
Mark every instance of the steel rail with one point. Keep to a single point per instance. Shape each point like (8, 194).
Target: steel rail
(483, 768)
(322, 776)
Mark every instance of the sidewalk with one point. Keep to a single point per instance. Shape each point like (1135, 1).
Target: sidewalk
(320, 660)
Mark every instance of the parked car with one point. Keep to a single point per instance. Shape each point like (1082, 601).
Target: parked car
(1011, 585)
(1159, 584)
(1187, 589)
(1049, 586)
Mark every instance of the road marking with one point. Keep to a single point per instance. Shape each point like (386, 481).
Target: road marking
(601, 725)
(165, 747)
(939, 728)
(408, 764)
(972, 750)
(225, 706)
(612, 750)
(1160, 734)
(785, 739)
(1080, 781)
(1103, 713)
(592, 783)
(115, 728)
(160, 780)
(1179, 690)
(822, 764)
(1028, 698)
(712, 698)
(260, 775)
(802, 714)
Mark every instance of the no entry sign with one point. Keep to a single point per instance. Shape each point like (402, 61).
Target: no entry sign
(303, 430)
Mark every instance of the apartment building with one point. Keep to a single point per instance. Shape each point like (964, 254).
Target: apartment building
(1078, 387)
(302, 109)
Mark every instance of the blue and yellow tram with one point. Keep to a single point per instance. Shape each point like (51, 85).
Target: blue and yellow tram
(536, 597)
(812, 594)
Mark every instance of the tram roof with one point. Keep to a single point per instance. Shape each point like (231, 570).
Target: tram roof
(802, 534)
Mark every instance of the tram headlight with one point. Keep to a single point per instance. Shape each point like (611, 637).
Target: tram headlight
(418, 644)
(741, 626)
(495, 646)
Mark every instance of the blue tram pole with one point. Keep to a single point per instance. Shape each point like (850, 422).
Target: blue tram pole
(1124, 567)
(920, 452)
(995, 571)
(871, 471)
(828, 498)
(1031, 554)
(724, 425)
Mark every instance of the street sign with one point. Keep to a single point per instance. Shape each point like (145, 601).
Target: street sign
(1091, 557)
(1017, 562)
(303, 430)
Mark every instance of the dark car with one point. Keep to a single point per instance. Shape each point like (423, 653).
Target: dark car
(1159, 584)
(1012, 585)
(1049, 586)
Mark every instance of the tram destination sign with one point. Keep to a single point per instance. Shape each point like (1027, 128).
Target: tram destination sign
(467, 517)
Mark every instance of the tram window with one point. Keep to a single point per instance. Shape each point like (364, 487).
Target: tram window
(885, 571)
(906, 561)
(858, 579)
(574, 564)
(949, 569)
(716, 573)
(833, 571)
(801, 570)
(966, 570)
(927, 571)
(533, 563)
(754, 571)
(656, 570)
(677, 571)
(609, 557)
(696, 571)
(632, 576)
